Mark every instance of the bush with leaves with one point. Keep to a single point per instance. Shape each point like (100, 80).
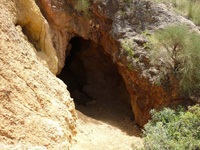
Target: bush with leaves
(173, 129)
(176, 50)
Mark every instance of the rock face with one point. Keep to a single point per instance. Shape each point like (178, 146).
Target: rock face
(36, 111)
(35, 26)
(108, 23)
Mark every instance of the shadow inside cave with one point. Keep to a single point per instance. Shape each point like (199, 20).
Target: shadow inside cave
(96, 85)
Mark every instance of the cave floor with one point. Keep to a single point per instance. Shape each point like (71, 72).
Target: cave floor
(106, 125)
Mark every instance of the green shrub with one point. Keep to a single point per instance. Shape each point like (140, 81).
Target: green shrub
(127, 46)
(194, 12)
(173, 129)
(176, 50)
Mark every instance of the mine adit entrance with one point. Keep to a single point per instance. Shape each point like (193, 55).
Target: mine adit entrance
(93, 80)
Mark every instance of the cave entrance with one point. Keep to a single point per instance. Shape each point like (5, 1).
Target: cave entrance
(93, 80)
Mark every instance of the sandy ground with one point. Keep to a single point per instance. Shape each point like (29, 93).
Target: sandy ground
(106, 125)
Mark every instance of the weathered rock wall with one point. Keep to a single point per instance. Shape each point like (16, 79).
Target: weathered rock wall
(108, 23)
(36, 28)
(66, 22)
(36, 111)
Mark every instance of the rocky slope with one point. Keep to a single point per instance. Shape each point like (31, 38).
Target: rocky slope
(36, 111)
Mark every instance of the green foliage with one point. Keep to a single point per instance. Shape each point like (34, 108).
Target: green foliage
(194, 12)
(176, 50)
(128, 52)
(128, 47)
(187, 8)
(173, 129)
(147, 35)
(82, 5)
(130, 67)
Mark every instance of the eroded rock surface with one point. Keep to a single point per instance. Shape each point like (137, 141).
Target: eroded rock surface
(36, 111)
(108, 23)
(35, 26)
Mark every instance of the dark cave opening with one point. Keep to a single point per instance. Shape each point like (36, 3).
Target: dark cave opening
(94, 81)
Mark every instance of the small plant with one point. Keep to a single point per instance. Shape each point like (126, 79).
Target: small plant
(146, 34)
(176, 50)
(130, 67)
(128, 52)
(128, 47)
(173, 129)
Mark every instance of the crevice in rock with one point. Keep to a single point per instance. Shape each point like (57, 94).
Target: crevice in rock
(27, 35)
(93, 80)
(32, 41)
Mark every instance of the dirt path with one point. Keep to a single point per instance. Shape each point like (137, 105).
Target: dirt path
(106, 125)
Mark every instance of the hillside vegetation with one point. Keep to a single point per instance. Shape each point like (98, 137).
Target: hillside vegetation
(173, 129)
(176, 50)
(188, 8)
